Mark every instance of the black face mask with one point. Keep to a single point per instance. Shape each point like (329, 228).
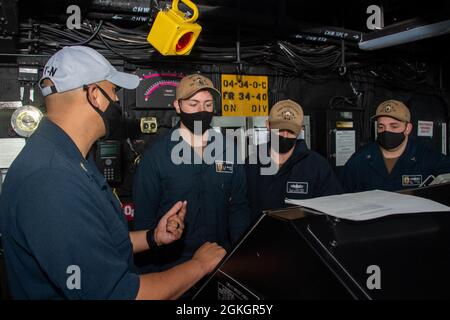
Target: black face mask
(390, 140)
(203, 117)
(112, 116)
(285, 144)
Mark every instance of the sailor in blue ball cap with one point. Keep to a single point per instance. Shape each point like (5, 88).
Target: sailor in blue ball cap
(63, 231)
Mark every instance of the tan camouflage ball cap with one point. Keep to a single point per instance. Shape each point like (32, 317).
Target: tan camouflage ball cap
(286, 115)
(192, 84)
(394, 109)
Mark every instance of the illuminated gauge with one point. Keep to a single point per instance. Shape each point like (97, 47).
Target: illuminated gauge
(157, 89)
(158, 85)
(25, 120)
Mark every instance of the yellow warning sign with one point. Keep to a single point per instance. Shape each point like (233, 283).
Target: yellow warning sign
(247, 97)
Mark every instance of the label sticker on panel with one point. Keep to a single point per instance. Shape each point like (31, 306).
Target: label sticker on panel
(247, 97)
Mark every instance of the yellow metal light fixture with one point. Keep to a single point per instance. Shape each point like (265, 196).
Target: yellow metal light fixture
(172, 32)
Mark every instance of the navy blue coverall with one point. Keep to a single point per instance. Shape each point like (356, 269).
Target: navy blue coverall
(306, 174)
(63, 231)
(366, 169)
(217, 206)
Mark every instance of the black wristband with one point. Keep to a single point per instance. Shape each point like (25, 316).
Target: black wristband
(151, 239)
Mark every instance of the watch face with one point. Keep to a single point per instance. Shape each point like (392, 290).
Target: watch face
(25, 120)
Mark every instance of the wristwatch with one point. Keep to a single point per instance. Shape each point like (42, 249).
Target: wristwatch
(151, 239)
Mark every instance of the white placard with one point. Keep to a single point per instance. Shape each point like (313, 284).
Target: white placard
(425, 129)
(28, 70)
(10, 148)
(305, 134)
(345, 146)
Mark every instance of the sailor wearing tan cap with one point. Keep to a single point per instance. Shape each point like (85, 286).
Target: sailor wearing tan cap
(301, 173)
(216, 194)
(395, 161)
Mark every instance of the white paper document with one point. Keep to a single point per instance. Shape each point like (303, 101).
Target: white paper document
(369, 205)
(345, 146)
(9, 149)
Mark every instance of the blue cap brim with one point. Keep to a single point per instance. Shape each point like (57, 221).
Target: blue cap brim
(124, 80)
